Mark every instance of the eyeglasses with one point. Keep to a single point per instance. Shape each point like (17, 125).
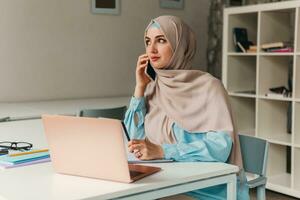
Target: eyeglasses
(19, 146)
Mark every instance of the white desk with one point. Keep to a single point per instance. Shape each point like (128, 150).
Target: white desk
(70, 107)
(40, 182)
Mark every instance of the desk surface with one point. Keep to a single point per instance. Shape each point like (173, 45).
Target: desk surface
(25, 109)
(40, 181)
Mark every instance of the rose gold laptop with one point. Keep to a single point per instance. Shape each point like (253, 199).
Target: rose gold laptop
(91, 147)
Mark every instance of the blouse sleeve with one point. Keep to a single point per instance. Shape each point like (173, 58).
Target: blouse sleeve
(209, 146)
(134, 118)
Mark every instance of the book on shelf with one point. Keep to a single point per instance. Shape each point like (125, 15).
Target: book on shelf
(280, 50)
(272, 45)
(279, 47)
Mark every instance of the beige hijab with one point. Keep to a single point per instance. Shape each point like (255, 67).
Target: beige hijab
(194, 100)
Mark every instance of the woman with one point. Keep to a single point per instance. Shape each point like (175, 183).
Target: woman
(183, 114)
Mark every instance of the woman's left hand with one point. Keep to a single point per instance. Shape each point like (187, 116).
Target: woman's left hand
(145, 150)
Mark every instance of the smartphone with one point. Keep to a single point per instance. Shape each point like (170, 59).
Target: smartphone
(150, 72)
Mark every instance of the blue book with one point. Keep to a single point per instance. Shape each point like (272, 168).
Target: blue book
(12, 160)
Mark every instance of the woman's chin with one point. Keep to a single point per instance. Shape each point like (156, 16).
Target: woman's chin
(158, 65)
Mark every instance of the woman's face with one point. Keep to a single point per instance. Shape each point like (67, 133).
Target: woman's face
(158, 48)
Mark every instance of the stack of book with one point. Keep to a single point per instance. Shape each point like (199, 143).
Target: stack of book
(24, 158)
(277, 47)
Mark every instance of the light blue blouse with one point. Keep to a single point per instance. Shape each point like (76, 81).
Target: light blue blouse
(207, 147)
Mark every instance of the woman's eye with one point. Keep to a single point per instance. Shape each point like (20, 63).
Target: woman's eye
(147, 42)
(161, 40)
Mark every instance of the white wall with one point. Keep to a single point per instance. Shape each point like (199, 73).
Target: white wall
(57, 49)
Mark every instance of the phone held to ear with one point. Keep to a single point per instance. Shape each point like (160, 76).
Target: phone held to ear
(150, 72)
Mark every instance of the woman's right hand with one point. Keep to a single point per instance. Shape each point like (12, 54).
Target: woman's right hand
(142, 79)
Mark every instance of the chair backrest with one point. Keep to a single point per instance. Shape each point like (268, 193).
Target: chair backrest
(255, 154)
(114, 113)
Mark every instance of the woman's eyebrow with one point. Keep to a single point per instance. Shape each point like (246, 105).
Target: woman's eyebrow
(158, 36)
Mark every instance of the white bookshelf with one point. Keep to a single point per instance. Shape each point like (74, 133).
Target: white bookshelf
(248, 77)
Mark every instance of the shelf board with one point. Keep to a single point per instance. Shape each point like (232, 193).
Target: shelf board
(241, 54)
(280, 183)
(241, 94)
(281, 139)
(279, 180)
(276, 98)
(297, 146)
(275, 54)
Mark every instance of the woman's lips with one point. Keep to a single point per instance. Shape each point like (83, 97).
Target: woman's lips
(153, 59)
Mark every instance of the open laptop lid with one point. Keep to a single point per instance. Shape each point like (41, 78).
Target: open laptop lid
(91, 147)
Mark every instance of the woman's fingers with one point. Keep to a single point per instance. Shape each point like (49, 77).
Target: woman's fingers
(143, 59)
(133, 147)
(138, 154)
(135, 141)
(143, 56)
(142, 63)
(141, 79)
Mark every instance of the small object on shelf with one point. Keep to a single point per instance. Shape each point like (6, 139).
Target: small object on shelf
(252, 49)
(240, 39)
(280, 91)
(275, 95)
(241, 47)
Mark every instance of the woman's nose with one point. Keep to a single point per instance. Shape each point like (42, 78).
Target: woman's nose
(152, 48)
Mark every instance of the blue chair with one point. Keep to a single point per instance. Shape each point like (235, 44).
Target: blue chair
(255, 155)
(114, 113)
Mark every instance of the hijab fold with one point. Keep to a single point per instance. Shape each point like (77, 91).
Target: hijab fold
(194, 100)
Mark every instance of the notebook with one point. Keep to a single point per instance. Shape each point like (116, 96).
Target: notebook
(91, 147)
(32, 162)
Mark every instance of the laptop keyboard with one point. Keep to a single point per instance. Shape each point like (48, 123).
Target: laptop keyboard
(135, 173)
